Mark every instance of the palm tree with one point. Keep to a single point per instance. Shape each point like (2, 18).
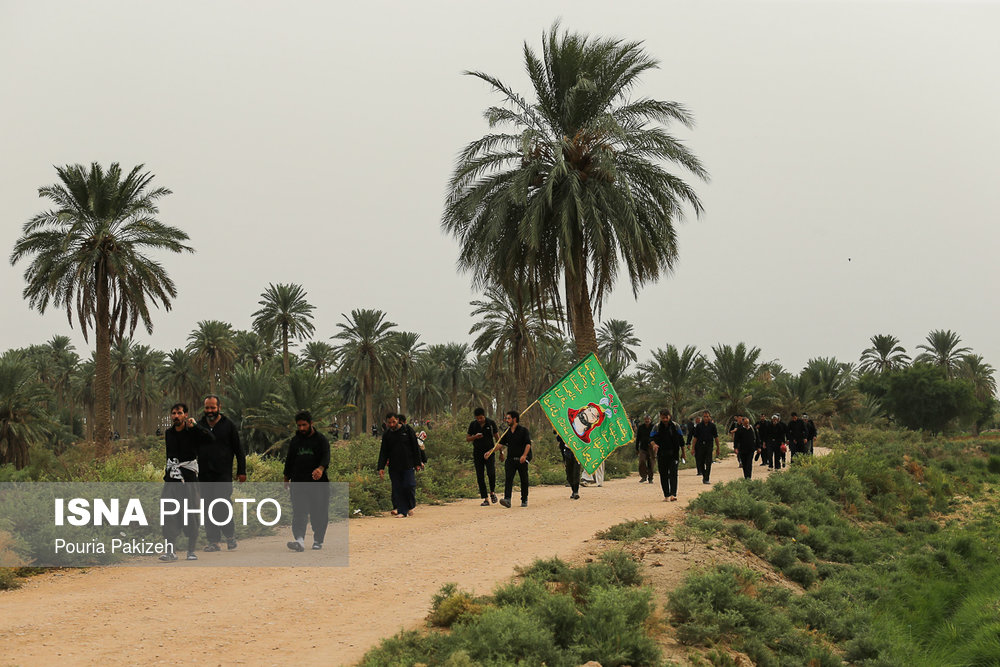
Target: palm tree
(451, 362)
(408, 350)
(180, 377)
(366, 352)
(511, 330)
(575, 192)
(885, 354)
(248, 393)
(942, 349)
(251, 348)
(285, 312)
(23, 419)
(214, 348)
(732, 371)
(674, 375)
(121, 374)
(981, 374)
(319, 356)
(147, 393)
(88, 256)
(616, 341)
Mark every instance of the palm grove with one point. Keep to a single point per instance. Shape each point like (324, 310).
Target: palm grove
(567, 191)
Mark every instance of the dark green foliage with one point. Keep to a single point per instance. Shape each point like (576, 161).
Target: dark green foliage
(612, 627)
(922, 397)
(450, 605)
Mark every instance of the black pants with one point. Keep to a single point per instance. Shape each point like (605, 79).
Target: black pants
(647, 463)
(404, 489)
(746, 462)
(777, 456)
(174, 524)
(310, 504)
(216, 490)
(487, 466)
(667, 466)
(799, 448)
(573, 472)
(511, 467)
(703, 458)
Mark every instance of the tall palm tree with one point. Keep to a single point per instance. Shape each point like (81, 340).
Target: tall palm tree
(248, 393)
(408, 350)
(147, 393)
(23, 419)
(885, 354)
(366, 352)
(87, 255)
(214, 348)
(574, 191)
(674, 376)
(616, 341)
(511, 330)
(121, 374)
(942, 349)
(251, 348)
(451, 361)
(285, 312)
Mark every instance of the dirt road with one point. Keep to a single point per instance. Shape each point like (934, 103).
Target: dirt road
(231, 615)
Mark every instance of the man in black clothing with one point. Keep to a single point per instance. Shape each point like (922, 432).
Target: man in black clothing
(647, 460)
(762, 427)
(183, 441)
(811, 433)
(797, 432)
(668, 448)
(692, 425)
(305, 472)
(402, 454)
(483, 434)
(518, 442)
(215, 470)
(745, 443)
(573, 467)
(777, 434)
(704, 434)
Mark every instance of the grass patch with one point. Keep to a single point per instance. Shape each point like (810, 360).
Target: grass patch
(631, 531)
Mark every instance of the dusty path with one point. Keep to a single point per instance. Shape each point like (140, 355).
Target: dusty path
(314, 615)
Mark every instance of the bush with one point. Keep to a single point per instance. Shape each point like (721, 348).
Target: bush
(630, 531)
(612, 627)
(450, 605)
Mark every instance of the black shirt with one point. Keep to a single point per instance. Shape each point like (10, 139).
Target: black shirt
(669, 440)
(516, 441)
(399, 449)
(642, 436)
(706, 432)
(744, 439)
(215, 459)
(489, 431)
(184, 445)
(305, 454)
(797, 430)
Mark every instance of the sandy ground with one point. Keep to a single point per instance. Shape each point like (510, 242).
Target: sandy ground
(313, 615)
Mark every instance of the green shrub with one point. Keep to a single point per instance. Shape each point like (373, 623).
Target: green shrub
(801, 573)
(450, 605)
(612, 631)
(509, 636)
(630, 531)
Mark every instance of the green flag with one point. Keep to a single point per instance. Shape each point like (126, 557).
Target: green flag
(585, 411)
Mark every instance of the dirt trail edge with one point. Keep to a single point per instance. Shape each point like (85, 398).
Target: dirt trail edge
(173, 614)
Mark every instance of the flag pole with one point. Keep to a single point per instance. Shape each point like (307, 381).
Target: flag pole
(506, 430)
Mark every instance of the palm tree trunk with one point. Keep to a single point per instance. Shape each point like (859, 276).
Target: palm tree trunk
(369, 399)
(284, 347)
(102, 369)
(581, 316)
(402, 394)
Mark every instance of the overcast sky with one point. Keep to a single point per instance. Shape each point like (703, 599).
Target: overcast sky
(853, 151)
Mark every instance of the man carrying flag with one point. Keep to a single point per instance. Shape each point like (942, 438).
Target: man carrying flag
(518, 442)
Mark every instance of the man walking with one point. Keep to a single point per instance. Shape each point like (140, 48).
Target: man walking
(573, 467)
(763, 428)
(183, 441)
(811, 433)
(705, 434)
(402, 454)
(518, 442)
(777, 434)
(668, 448)
(745, 443)
(647, 460)
(797, 435)
(215, 469)
(483, 434)
(305, 471)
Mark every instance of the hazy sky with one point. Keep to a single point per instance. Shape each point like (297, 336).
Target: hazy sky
(852, 148)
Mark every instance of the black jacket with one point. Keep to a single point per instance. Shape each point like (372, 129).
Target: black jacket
(797, 430)
(184, 445)
(642, 437)
(215, 460)
(669, 441)
(744, 439)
